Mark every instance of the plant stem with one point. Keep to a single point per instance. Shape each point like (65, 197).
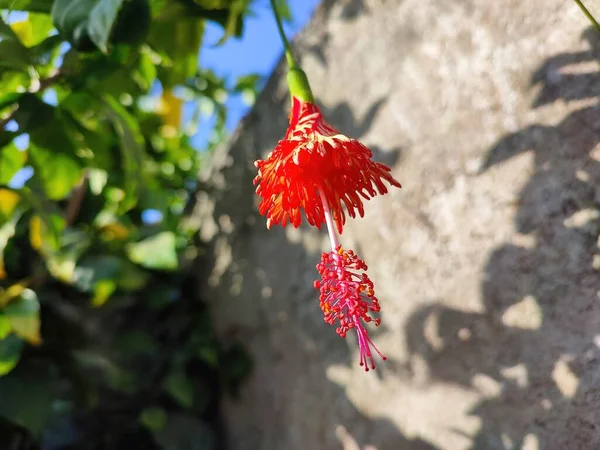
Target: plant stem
(288, 52)
(588, 14)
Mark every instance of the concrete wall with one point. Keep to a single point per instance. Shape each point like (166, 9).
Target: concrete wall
(486, 262)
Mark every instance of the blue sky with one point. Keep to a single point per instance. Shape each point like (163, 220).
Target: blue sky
(257, 51)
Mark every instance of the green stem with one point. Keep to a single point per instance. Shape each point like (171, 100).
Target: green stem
(288, 52)
(296, 78)
(588, 14)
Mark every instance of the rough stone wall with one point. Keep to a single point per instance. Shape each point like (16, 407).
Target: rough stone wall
(486, 262)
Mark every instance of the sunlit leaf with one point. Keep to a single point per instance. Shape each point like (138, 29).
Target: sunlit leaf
(171, 109)
(7, 231)
(132, 149)
(102, 20)
(156, 252)
(49, 232)
(10, 293)
(9, 200)
(58, 172)
(35, 233)
(5, 328)
(114, 231)
(61, 262)
(70, 15)
(24, 317)
(97, 179)
(103, 289)
(11, 160)
(34, 29)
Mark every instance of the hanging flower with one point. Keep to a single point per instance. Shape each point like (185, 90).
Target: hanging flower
(318, 170)
(314, 157)
(348, 296)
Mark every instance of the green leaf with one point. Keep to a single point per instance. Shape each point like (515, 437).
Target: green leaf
(10, 352)
(11, 98)
(9, 200)
(178, 39)
(181, 389)
(50, 147)
(5, 328)
(34, 114)
(237, 9)
(156, 252)
(27, 400)
(144, 73)
(61, 262)
(103, 289)
(153, 418)
(11, 160)
(41, 6)
(47, 225)
(102, 20)
(13, 54)
(92, 270)
(44, 54)
(69, 15)
(247, 82)
(24, 317)
(7, 231)
(57, 172)
(132, 150)
(34, 29)
(183, 432)
(133, 343)
(227, 13)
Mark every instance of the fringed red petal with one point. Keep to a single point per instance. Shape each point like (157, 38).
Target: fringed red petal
(315, 156)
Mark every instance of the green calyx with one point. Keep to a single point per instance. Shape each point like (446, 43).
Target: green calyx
(296, 78)
(298, 84)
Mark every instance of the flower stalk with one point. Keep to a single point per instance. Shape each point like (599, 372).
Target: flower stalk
(588, 14)
(296, 78)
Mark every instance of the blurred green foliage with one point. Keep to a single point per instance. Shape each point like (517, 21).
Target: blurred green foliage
(104, 343)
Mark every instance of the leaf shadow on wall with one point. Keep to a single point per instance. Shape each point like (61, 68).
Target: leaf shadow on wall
(533, 354)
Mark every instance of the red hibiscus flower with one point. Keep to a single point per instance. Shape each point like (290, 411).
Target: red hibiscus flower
(314, 157)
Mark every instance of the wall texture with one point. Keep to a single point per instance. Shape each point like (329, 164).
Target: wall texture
(486, 262)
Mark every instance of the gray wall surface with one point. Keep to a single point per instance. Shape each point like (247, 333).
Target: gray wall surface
(485, 262)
